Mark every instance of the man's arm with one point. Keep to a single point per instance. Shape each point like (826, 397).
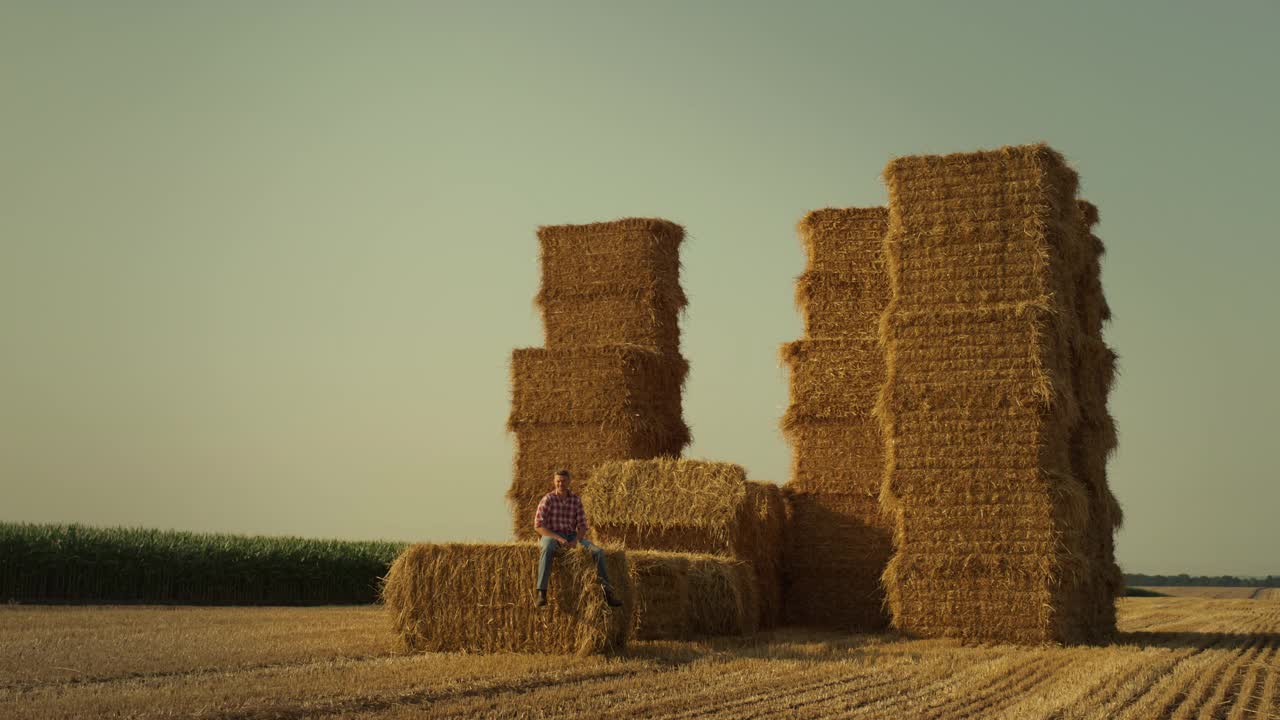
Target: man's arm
(580, 529)
(547, 533)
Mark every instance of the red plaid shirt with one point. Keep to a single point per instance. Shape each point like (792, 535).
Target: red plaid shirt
(561, 514)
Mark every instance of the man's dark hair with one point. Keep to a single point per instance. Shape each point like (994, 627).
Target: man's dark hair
(562, 473)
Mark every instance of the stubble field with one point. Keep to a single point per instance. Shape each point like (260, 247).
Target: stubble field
(1177, 657)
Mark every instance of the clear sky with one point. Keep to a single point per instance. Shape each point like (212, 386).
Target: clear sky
(262, 264)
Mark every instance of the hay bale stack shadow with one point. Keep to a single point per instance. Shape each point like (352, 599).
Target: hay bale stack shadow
(480, 598)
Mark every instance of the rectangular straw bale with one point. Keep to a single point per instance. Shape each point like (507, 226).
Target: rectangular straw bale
(832, 304)
(836, 547)
(480, 598)
(836, 456)
(844, 240)
(691, 506)
(979, 228)
(833, 378)
(646, 318)
(607, 257)
(606, 384)
(686, 595)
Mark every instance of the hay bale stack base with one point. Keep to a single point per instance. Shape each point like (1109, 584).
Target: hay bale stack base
(480, 598)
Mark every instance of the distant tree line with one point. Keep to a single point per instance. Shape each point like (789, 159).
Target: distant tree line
(1139, 580)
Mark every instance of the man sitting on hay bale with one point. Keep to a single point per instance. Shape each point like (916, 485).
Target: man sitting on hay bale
(560, 520)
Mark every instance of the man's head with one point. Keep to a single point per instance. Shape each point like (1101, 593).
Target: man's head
(561, 479)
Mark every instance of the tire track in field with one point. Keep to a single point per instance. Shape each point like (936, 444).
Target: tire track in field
(1222, 699)
(1198, 692)
(713, 693)
(652, 686)
(767, 688)
(1164, 697)
(848, 686)
(1119, 691)
(985, 703)
(926, 682)
(1090, 669)
(939, 699)
(1248, 693)
(1266, 707)
(87, 682)
(377, 702)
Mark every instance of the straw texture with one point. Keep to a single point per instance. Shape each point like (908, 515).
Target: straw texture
(837, 541)
(992, 525)
(680, 596)
(480, 598)
(693, 506)
(612, 283)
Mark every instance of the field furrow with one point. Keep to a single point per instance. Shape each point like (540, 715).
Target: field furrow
(1247, 700)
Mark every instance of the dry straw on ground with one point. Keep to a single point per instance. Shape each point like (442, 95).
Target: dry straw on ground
(481, 598)
(837, 542)
(992, 537)
(680, 596)
(692, 506)
(612, 283)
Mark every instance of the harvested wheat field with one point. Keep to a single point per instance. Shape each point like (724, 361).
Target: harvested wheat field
(1174, 657)
(1209, 591)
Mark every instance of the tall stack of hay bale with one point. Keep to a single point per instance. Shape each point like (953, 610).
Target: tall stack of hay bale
(838, 541)
(708, 509)
(994, 538)
(608, 383)
(1094, 438)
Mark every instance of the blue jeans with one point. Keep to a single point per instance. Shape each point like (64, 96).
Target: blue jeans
(549, 548)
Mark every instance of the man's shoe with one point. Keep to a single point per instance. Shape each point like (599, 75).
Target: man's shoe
(542, 599)
(610, 599)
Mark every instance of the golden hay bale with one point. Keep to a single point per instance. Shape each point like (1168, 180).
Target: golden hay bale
(845, 285)
(681, 596)
(844, 240)
(691, 506)
(631, 253)
(835, 456)
(836, 547)
(480, 598)
(605, 384)
(833, 379)
(646, 319)
(612, 283)
(980, 228)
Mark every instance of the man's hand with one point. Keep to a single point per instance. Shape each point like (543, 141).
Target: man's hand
(561, 539)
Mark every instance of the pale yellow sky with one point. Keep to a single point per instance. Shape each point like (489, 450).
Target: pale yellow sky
(262, 264)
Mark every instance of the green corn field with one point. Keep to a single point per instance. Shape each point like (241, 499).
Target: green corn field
(75, 563)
